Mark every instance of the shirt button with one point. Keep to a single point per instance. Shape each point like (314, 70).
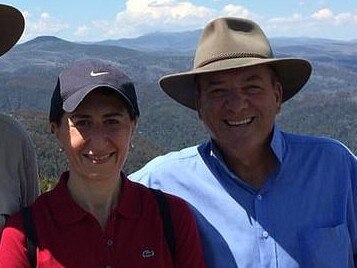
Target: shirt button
(108, 266)
(259, 197)
(109, 242)
(265, 234)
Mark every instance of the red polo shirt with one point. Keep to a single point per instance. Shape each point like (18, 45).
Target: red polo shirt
(68, 236)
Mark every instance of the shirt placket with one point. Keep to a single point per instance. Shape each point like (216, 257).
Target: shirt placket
(266, 244)
(110, 241)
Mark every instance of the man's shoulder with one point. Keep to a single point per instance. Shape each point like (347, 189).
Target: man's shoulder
(10, 126)
(171, 162)
(309, 142)
(175, 157)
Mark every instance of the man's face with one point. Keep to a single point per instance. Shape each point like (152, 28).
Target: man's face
(238, 107)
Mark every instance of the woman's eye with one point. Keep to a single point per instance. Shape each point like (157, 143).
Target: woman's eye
(80, 123)
(112, 121)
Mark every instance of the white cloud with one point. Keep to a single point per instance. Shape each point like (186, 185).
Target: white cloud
(45, 24)
(82, 30)
(323, 23)
(284, 26)
(144, 16)
(327, 16)
(235, 11)
(323, 14)
(295, 18)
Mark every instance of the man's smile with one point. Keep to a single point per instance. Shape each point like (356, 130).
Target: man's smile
(245, 121)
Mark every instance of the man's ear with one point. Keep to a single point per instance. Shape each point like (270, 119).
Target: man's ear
(198, 107)
(278, 91)
(198, 99)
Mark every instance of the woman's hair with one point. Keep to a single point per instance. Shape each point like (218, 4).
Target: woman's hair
(57, 112)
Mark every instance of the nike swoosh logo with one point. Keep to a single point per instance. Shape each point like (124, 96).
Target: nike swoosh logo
(97, 74)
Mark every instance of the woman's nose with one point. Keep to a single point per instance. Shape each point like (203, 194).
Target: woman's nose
(99, 136)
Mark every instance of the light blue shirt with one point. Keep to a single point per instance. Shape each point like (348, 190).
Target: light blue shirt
(305, 215)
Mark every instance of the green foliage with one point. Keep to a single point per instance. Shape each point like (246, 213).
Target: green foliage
(47, 184)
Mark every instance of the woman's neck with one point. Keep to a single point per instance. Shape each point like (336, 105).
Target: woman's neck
(98, 197)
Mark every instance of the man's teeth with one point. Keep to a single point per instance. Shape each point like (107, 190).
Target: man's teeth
(239, 123)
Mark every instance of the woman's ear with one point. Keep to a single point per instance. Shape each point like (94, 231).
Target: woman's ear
(135, 126)
(53, 128)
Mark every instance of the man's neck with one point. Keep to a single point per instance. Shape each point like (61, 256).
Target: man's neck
(253, 166)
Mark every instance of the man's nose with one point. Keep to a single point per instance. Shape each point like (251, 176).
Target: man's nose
(236, 101)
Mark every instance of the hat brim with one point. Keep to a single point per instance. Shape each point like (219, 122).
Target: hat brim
(293, 74)
(12, 25)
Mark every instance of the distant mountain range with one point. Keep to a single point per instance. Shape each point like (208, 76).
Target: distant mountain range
(327, 105)
(179, 42)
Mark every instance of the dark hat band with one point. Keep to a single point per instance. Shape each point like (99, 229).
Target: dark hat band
(226, 56)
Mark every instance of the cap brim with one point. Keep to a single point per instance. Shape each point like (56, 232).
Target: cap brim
(70, 104)
(292, 72)
(12, 25)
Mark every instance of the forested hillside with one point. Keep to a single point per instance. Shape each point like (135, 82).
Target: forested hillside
(327, 105)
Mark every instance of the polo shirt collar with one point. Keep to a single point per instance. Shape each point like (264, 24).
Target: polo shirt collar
(130, 203)
(66, 211)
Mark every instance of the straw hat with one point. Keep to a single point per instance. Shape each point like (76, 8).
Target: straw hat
(231, 43)
(12, 25)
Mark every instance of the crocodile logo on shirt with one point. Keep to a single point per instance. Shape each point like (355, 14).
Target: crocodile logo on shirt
(148, 253)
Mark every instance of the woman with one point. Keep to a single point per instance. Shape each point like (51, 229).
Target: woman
(95, 216)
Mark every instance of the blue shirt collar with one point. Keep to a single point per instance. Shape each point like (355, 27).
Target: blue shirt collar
(276, 144)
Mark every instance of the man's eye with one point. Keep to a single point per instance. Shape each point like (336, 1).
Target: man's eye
(254, 89)
(217, 91)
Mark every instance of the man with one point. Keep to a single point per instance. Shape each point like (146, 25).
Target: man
(19, 184)
(262, 197)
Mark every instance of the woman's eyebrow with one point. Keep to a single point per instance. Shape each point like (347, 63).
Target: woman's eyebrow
(75, 116)
(113, 114)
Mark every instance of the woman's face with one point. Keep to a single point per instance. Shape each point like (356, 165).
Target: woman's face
(96, 136)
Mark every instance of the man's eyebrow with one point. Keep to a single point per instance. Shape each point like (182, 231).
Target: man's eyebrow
(215, 81)
(253, 77)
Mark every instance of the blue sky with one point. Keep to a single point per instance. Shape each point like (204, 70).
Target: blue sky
(95, 20)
